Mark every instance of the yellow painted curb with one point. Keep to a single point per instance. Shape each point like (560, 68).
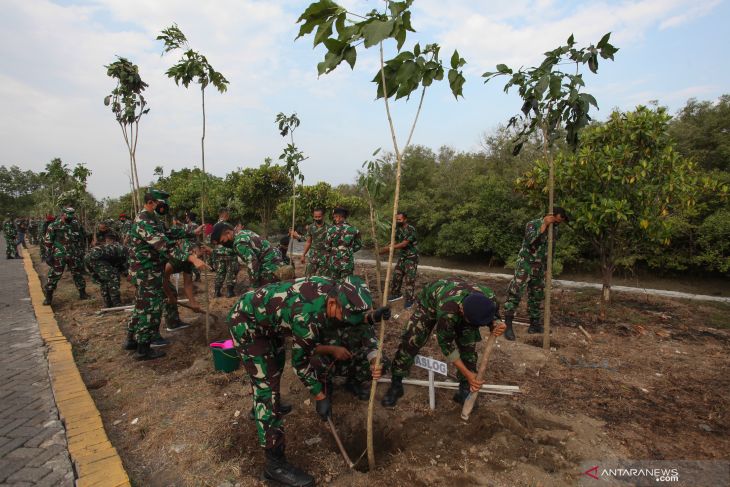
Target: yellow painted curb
(95, 460)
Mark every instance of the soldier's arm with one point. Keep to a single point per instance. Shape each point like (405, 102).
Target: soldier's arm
(533, 233)
(446, 336)
(304, 342)
(244, 252)
(156, 239)
(357, 242)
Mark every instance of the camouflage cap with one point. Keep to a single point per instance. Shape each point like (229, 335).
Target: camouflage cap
(355, 298)
(69, 211)
(158, 194)
(108, 222)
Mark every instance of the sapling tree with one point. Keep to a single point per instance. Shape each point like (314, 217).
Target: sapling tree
(552, 101)
(292, 156)
(193, 67)
(343, 33)
(372, 182)
(128, 105)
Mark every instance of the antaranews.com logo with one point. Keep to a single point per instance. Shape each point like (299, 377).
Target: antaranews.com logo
(649, 473)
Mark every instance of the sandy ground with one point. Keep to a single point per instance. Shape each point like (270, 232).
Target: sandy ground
(651, 384)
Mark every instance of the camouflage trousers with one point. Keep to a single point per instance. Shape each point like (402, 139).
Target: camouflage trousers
(172, 314)
(264, 358)
(530, 275)
(226, 270)
(418, 331)
(406, 270)
(75, 264)
(357, 369)
(316, 264)
(107, 277)
(340, 269)
(11, 248)
(147, 312)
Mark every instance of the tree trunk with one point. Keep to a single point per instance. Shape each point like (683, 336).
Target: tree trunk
(293, 218)
(378, 270)
(203, 197)
(607, 271)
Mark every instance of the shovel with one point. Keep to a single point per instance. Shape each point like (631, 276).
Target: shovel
(471, 399)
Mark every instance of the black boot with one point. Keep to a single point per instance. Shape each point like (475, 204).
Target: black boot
(218, 292)
(116, 302)
(131, 343)
(230, 293)
(394, 392)
(108, 302)
(144, 352)
(535, 326)
(176, 325)
(360, 390)
(49, 297)
(83, 295)
(279, 470)
(463, 392)
(509, 333)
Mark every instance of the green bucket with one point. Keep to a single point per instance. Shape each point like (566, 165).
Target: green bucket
(225, 359)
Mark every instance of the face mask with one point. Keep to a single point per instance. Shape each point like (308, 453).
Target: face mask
(162, 208)
(227, 244)
(401, 224)
(319, 222)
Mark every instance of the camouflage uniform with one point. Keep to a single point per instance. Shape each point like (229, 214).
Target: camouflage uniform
(341, 243)
(150, 247)
(11, 234)
(262, 319)
(261, 259)
(64, 243)
(439, 307)
(360, 341)
(317, 255)
(105, 263)
(123, 227)
(529, 271)
(186, 247)
(33, 232)
(407, 266)
(42, 237)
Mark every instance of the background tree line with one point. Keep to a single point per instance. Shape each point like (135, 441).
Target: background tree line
(475, 204)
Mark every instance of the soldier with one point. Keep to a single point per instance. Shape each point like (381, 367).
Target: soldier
(315, 252)
(226, 262)
(21, 224)
(65, 242)
(33, 231)
(105, 262)
(42, 235)
(177, 266)
(341, 242)
(193, 228)
(530, 272)
(11, 236)
(149, 249)
(259, 325)
(455, 309)
(263, 261)
(123, 227)
(407, 266)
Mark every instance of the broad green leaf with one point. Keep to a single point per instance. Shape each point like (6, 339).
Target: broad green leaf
(376, 31)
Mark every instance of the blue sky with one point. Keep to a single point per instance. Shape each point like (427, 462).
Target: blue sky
(52, 80)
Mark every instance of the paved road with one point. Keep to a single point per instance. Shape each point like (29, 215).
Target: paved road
(33, 449)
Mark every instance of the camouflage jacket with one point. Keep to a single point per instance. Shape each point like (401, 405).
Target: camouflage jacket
(178, 258)
(407, 232)
(442, 302)
(256, 253)
(318, 234)
(150, 246)
(9, 230)
(291, 308)
(64, 239)
(534, 246)
(341, 243)
(114, 254)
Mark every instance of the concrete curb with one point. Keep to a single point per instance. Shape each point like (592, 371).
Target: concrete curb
(95, 460)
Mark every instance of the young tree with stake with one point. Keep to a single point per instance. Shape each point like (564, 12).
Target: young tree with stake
(292, 156)
(342, 33)
(128, 105)
(552, 100)
(193, 67)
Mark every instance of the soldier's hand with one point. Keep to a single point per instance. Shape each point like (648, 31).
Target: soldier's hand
(172, 300)
(195, 306)
(474, 383)
(324, 408)
(376, 372)
(303, 260)
(340, 353)
(498, 328)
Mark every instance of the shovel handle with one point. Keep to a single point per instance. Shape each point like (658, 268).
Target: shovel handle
(471, 399)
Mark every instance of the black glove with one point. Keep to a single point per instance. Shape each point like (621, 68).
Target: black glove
(324, 408)
(381, 314)
(49, 260)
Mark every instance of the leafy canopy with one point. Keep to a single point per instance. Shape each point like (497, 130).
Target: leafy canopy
(551, 95)
(126, 99)
(193, 66)
(343, 32)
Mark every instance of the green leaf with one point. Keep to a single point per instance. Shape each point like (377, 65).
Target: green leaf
(504, 69)
(323, 31)
(555, 85)
(350, 56)
(542, 85)
(455, 60)
(603, 41)
(376, 31)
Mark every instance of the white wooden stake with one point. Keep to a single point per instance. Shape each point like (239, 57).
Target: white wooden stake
(431, 391)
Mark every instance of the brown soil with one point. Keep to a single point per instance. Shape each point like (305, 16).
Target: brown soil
(652, 384)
